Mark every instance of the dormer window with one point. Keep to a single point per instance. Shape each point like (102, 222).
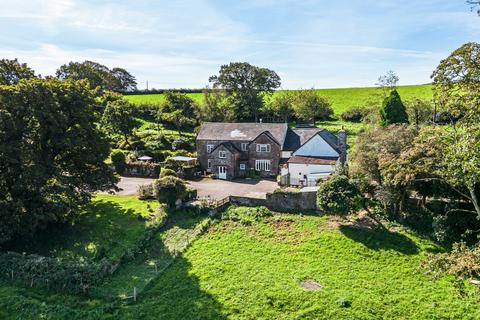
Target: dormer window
(222, 154)
(263, 147)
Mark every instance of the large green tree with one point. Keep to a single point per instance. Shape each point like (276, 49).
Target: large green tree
(98, 75)
(118, 118)
(179, 110)
(456, 83)
(51, 154)
(245, 86)
(309, 105)
(12, 71)
(393, 110)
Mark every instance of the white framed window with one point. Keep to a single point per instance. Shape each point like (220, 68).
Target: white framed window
(209, 164)
(242, 166)
(263, 147)
(210, 147)
(262, 165)
(222, 154)
(244, 146)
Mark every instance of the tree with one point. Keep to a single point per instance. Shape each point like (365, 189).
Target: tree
(308, 105)
(119, 161)
(169, 189)
(179, 110)
(280, 107)
(245, 86)
(375, 151)
(12, 71)
(215, 107)
(456, 83)
(118, 118)
(388, 82)
(125, 81)
(98, 75)
(420, 111)
(338, 195)
(393, 110)
(51, 154)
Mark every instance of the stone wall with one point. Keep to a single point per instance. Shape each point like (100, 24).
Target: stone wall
(281, 201)
(292, 200)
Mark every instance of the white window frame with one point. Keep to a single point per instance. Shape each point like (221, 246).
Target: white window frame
(210, 147)
(244, 146)
(243, 166)
(262, 165)
(263, 147)
(209, 163)
(222, 154)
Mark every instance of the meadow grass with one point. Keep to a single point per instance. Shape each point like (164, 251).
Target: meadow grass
(109, 223)
(341, 99)
(254, 271)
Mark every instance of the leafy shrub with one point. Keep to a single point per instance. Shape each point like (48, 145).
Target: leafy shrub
(169, 189)
(183, 144)
(145, 192)
(338, 195)
(190, 194)
(142, 169)
(393, 110)
(165, 172)
(354, 114)
(38, 271)
(344, 303)
(462, 261)
(118, 161)
(246, 215)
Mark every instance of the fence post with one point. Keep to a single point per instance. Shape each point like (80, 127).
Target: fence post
(135, 294)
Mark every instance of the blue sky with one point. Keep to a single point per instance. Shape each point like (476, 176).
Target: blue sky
(179, 44)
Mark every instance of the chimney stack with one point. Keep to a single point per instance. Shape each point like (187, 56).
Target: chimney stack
(342, 145)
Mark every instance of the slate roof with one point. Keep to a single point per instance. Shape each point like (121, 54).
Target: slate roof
(297, 137)
(241, 131)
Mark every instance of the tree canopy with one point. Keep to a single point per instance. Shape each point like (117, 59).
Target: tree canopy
(393, 110)
(245, 86)
(51, 154)
(98, 75)
(118, 118)
(12, 71)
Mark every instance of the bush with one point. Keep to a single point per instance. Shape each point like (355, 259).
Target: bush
(338, 195)
(145, 192)
(393, 110)
(463, 261)
(169, 189)
(354, 114)
(246, 215)
(118, 161)
(165, 172)
(190, 194)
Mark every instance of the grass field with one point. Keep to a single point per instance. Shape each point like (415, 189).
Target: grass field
(236, 271)
(110, 224)
(342, 99)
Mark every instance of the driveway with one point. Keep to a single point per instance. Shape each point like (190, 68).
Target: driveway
(213, 188)
(219, 189)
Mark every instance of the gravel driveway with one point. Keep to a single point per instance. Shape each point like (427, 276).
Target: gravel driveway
(213, 188)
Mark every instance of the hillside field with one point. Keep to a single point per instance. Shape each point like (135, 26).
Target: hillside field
(342, 99)
(267, 269)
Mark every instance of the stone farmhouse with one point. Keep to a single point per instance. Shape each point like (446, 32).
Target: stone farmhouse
(301, 156)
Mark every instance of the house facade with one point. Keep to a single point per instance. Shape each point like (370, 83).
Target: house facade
(300, 155)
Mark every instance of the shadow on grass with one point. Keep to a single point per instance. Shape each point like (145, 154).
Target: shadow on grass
(102, 226)
(376, 238)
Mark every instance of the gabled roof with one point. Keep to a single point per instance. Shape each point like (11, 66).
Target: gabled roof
(297, 137)
(229, 146)
(247, 131)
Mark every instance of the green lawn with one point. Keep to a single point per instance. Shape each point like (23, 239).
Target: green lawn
(236, 271)
(342, 99)
(254, 272)
(110, 224)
